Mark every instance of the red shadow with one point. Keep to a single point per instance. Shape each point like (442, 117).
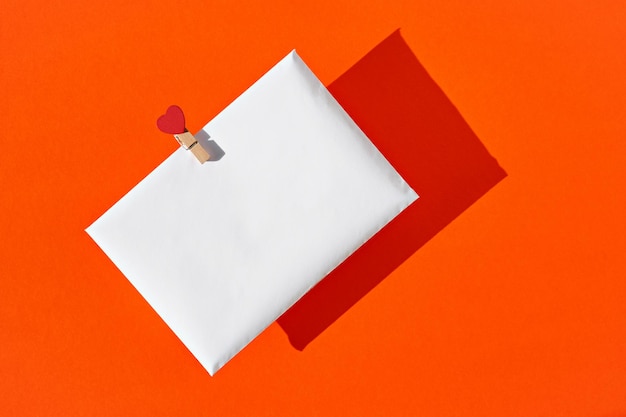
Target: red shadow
(409, 118)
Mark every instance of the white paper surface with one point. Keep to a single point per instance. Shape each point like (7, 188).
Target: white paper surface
(221, 250)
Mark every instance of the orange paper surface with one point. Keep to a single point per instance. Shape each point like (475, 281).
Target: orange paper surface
(513, 305)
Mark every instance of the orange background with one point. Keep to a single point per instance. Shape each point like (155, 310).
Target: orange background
(515, 308)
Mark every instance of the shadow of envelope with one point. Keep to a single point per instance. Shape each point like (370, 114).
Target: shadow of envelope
(408, 117)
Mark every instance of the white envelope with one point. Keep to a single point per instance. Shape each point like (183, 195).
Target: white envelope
(220, 250)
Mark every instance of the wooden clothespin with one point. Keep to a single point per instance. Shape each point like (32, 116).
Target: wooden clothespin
(173, 122)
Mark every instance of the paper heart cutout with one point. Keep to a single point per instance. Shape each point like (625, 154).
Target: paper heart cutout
(173, 121)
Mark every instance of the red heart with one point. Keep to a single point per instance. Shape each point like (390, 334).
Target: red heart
(173, 121)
